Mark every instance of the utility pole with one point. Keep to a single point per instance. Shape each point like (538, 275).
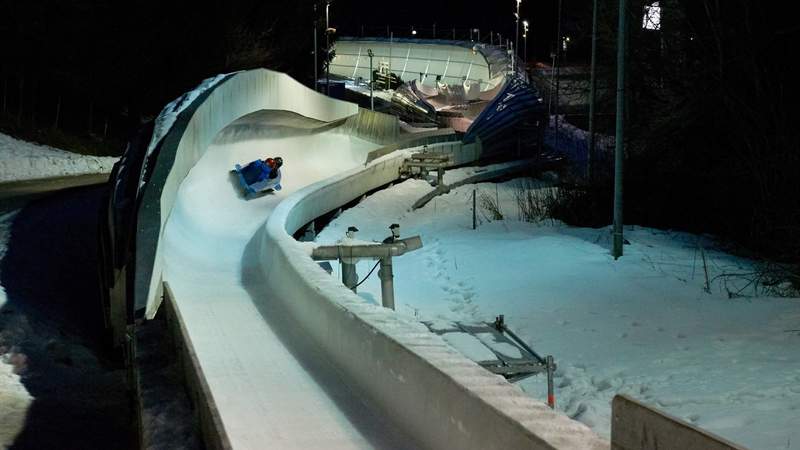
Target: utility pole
(557, 60)
(592, 93)
(391, 40)
(371, 98)
(316, 76)
(516, 36)
(619, 135)
(328, 48)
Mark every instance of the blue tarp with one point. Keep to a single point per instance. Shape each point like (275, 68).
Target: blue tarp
(516, 103)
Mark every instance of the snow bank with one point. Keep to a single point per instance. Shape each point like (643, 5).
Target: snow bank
(20, 160)
(167, 117)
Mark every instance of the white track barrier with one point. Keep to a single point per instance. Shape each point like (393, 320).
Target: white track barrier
(444, 399)
(244, 93)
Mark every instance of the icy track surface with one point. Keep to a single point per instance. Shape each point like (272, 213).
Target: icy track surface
(272, 389)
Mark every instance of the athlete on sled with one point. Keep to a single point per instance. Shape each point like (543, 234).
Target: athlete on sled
(260, 176)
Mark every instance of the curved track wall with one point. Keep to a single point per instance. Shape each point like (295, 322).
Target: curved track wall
(187, 141)
(411, 374)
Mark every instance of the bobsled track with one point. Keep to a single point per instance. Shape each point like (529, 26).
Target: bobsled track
(283, 355)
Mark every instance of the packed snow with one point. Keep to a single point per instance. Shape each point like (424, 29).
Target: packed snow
(727, 360)
(166, 118)
(21, 160)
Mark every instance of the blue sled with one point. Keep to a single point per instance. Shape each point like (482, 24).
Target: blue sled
(254, 178)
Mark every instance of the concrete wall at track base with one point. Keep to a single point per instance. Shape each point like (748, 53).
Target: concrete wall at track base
(636, 426)
(410, 374)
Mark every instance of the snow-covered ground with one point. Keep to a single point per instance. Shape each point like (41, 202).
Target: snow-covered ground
(642, 325)
(52, 381)
(14, 398)
(21, 160)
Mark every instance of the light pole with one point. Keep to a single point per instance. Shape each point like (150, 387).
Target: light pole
(328, 47)
(619, 136)
(371, 98)
(316, 76)
(558, 69)
(525, 37)
(592, 98)
(516, 37)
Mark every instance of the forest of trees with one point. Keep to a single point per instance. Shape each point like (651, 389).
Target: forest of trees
(712, 144)
(85, 73)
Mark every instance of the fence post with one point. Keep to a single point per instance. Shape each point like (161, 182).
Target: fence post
(474, 216)
(551, 398)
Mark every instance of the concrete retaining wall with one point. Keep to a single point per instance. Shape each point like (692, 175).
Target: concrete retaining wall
(416, 139)
(408, 59)
(636, 426)
(211, 427)
(461, 153)
(412, 375)
(373, 126)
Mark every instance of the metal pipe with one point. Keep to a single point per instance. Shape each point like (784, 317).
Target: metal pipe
(327, 48)
(349, 276)
(387, 282)
(474, 217)
(619, 135)
(592, 93)
(551, 397)
(377, 251)
(391, 40)
(516, 38)
(316, 76)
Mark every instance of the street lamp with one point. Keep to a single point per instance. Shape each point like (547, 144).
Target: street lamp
(413, 31)
(525, 36)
